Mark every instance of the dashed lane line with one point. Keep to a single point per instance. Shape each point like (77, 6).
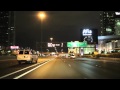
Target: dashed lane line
(69, 65)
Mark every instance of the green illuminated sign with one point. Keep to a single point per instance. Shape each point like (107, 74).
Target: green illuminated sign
(76, 44)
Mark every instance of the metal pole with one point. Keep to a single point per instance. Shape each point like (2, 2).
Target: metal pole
(41, 37)
(14, 41)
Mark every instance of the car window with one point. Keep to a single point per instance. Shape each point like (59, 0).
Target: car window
(26, 52)
(21, 52)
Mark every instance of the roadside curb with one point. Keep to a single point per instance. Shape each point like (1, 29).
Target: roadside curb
(109, 58)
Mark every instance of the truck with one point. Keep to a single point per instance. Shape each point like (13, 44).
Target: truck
(27, 56)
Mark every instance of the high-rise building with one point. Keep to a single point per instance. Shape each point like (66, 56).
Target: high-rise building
(110, 31)
(117, 23)
(11, 28)
(107, 20)
(7, 28)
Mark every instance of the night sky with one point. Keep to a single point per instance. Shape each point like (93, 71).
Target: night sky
(63, 26)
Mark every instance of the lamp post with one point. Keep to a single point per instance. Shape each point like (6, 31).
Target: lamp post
(42, 16)
(51, 41)
(52, 45)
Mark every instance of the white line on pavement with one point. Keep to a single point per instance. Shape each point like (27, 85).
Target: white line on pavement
(69, 65)
(30, 70)
(18, 71)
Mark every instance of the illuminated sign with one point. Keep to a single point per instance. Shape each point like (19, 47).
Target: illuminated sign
(87, 32)
(14, 47)
(76, 44)
(117, 13)
(53, 45)
(89, 35)
(108, 29)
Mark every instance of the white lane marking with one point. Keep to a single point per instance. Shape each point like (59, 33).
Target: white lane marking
(30, 70)
(18, 71)
(69, 65)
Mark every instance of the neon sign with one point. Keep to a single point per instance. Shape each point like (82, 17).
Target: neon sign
(14, 47)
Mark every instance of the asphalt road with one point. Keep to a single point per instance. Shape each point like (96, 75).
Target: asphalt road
(61, 68)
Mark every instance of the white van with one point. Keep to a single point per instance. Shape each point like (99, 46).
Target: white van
(27, 56)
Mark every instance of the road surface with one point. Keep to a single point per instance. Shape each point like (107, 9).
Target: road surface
(61, 68)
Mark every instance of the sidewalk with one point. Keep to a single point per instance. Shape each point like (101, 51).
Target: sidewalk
(107, 58)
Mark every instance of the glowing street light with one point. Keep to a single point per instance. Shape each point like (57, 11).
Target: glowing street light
(42, 16)
(51, 39)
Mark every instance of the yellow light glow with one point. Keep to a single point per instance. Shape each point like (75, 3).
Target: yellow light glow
(41, 15)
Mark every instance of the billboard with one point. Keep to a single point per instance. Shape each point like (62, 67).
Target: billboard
(89, 35)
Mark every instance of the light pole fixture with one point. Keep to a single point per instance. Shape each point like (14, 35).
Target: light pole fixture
(42, 16)
(51, 39)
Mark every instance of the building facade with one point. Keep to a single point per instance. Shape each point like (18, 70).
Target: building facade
(110, 31)
(7, 29)
(107, 20)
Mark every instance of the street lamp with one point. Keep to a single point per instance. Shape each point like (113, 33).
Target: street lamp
(42, 16)
(52, 44)
(51, 41)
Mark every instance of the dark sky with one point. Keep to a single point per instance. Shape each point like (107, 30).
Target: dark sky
(63, 26)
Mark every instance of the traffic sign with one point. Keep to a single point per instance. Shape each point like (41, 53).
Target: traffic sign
(76, 44)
